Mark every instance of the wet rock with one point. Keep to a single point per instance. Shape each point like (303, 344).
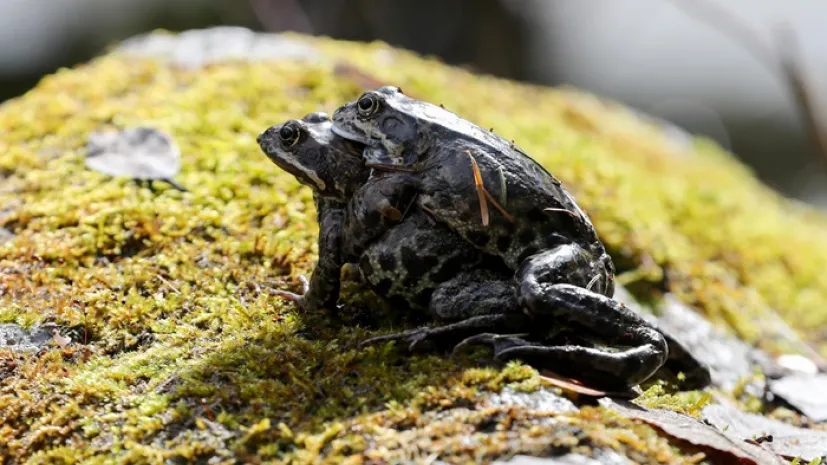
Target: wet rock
(727, 357)
(17, 338)
(200, 47)
(807, 393)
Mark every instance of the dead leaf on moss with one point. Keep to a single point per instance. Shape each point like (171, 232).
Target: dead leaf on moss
(787, 440)
(142, 153)
(720, 447)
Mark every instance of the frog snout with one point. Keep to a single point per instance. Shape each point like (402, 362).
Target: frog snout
(266, 138)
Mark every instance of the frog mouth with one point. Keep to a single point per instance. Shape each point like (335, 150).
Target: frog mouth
(344, 133)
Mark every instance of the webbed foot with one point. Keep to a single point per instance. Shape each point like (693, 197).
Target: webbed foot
(498, 342)
(443, 337)
(603, 320)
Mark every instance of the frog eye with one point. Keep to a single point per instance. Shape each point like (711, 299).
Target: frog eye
(289, 135)
(367, 105)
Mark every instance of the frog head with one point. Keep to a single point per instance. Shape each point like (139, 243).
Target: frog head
(390, 124)
(307, 148)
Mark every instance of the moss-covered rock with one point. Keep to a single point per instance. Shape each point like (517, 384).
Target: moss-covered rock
(179, 351)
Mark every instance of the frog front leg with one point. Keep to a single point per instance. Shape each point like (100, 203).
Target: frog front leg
(322, 291)
(544, 294)
(378, 205)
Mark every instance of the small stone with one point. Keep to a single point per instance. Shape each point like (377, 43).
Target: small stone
(807, 393)
(797, 363)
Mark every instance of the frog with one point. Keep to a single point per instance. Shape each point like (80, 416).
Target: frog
(469, 293)
(562, 272)
(410, 260)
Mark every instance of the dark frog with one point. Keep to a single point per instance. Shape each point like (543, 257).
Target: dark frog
(402, 253)
(505, 204)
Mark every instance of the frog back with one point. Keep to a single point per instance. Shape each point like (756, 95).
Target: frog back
(539, 212)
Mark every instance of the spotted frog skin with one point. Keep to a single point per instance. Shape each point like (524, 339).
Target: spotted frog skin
(563, 275)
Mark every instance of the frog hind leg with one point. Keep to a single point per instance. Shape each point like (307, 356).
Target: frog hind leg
(498, 342)
(470, 303)
(696, 375)
(600, 318)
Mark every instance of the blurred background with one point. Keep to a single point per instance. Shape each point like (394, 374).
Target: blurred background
(721, 69)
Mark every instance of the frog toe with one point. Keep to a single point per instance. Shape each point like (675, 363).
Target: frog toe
(409, 337)
(498, 342)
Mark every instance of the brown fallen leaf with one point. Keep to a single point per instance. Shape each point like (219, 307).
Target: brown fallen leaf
(720, 447)
(787, 440)
(572, 385)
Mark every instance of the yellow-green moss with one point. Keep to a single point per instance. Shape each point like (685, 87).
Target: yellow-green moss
(183, 352)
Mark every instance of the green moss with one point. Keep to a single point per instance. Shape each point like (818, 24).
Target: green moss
(184, 353)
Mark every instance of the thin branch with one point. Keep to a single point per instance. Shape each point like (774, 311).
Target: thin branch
(786, 60)
(792, 67)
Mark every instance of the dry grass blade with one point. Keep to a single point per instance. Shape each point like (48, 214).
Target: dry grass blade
(786, 59)
(560, 210)
(497, 205)
(480, 188)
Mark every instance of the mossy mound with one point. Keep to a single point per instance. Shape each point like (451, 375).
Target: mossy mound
(179, 351)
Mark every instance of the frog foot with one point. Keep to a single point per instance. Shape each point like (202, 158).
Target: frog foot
(412, 339)
(442, 337)
(292, 296)
(499, 342)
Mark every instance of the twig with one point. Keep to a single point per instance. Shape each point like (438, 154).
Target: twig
(480, 188)
(792, 67)
(497, 205)
(785, 60)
